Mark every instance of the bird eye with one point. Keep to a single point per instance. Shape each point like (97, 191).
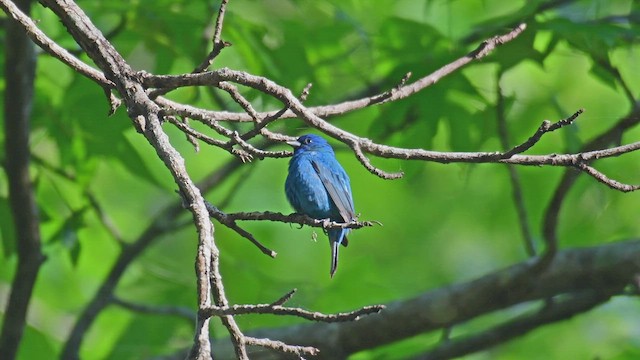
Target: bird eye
(307, 141)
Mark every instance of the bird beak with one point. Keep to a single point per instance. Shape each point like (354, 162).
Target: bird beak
(294, 143)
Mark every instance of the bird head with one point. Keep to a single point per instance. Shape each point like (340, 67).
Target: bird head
(310, 142)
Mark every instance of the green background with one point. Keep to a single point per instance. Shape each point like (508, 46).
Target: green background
(442, 223)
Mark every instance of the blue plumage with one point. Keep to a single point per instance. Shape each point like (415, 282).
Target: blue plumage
(318, 186)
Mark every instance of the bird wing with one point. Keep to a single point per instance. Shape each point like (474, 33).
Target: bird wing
(337, 185)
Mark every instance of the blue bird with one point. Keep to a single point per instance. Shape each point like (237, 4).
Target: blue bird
(318, 186)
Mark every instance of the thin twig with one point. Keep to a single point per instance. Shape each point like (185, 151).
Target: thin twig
(282, 347)
(516, 185)
(286, 297)
(231, 224)
(260, 126)
(552, 213)
(259, 153)
(229, 220)
(240, 100)
(305, 92)
(544, 128)
(190, 138)
(294, 218)
(247, 151)
(615, 185)
(104, 218)
(364, 160)
(291, 311)
(189, 131)
(218, 44)
(386, 96)
(402, 92)
(510, 157)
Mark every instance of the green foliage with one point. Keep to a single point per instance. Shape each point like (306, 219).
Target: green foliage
(37, 344)
(442, 223)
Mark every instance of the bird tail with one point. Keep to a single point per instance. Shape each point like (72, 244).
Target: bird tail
(336, 238)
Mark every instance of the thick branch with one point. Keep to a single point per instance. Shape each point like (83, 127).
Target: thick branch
(558, 310)
(163, 223)
(145, 115)
(570, 271)
(19, 76)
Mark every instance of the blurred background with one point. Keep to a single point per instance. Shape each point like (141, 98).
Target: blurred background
(443, 224)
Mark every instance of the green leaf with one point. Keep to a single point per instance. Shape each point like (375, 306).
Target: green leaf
(595, 38)
(94, 135)
(605, 76)
(461, 123)
(37, 344)
(67, 233)
(521, 49)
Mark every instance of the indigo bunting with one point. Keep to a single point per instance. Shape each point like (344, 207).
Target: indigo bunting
(319, 187)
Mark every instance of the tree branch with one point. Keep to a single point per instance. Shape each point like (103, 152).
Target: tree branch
(557, 310)
(163, 223)
(292, 311)
(293, 218)
(281, 347)
(229, 220)
(615, 185)
(357, 143)
(571, 271)
(146, 118)
(218, 44)
(19, 77)
(516, 185)
(397, 93)
(285, 95)
(552, 213)
(52, 47)
(545, 127)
